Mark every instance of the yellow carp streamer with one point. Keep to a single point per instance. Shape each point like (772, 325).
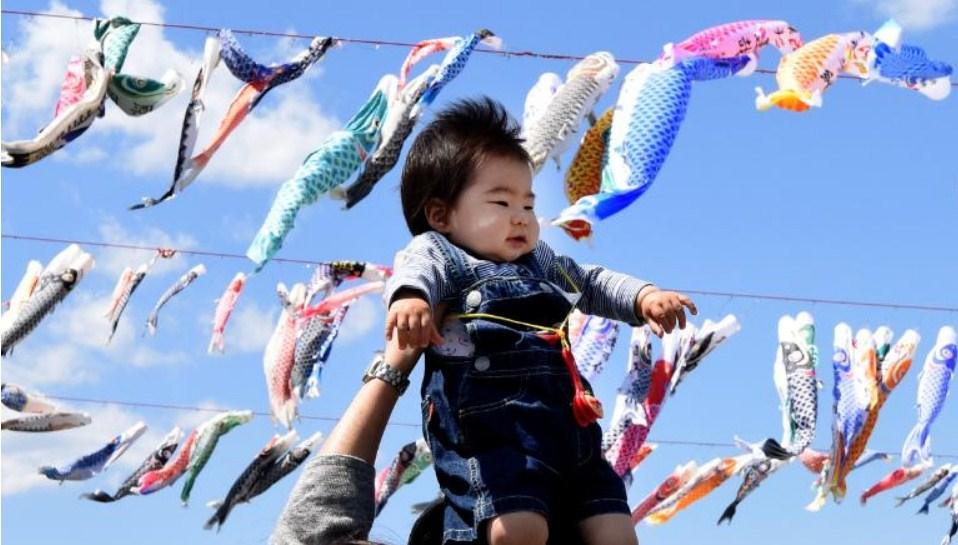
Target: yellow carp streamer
(585, 173)
(893, 369)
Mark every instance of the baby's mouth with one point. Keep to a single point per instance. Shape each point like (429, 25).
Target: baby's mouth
(518, 240)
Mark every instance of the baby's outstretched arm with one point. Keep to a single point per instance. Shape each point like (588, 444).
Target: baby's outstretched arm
(410, 320)
(615, 295)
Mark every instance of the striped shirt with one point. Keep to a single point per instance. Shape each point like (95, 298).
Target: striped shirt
(422, 266)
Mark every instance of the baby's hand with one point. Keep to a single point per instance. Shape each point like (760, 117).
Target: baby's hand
(662, 310)
(412, 318)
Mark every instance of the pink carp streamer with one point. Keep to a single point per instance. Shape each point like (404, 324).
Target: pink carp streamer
(286, 375)
(74, 85)
(224, 308)
(152, 481)
(736, 39)
(278, 358)
(646, 386)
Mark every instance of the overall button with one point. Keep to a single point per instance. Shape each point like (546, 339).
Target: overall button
(545, 287)
(473, 299)
(482, 363)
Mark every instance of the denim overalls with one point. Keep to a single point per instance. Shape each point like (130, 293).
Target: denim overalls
(499, 422)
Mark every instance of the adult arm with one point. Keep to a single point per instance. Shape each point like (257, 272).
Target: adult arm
(333, 499)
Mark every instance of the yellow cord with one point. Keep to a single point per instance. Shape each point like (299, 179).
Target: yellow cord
(556, 330)
(568, 278)
(560, 331)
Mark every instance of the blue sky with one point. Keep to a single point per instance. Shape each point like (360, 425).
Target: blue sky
(853, 201)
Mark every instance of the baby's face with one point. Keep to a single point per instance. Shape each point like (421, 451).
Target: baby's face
(493, 217)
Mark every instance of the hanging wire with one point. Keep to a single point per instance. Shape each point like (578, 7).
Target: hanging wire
(171, 407)
(123, 246)
(193, 408)
(364, 41)
(729, 294)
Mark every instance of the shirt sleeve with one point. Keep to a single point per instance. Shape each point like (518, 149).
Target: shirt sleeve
(332, 502)
(421, 266)
(604, 293)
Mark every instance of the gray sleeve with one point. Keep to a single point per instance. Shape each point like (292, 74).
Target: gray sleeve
(332, 501)
(421, 266)
(604, 293)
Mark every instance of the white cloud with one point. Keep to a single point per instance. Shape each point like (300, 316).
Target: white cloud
(189, 419)
(365, 314)
(72, 348)
(136, 10)
(89, 154)
(24, 453)
(289, 118)
(111, 261)
(78, 323)
(250, 327)
(915, 14)
(49, 364)
(83, 325)
(34, 69)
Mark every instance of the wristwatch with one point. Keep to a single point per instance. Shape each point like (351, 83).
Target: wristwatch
(386, 373)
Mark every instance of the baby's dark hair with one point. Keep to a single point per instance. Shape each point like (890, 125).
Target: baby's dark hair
(448, 151)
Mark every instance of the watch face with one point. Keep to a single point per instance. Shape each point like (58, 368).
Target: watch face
(373, 366)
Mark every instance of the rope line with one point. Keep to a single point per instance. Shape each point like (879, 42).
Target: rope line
(172, 407)
(712, 293)
(362, 41)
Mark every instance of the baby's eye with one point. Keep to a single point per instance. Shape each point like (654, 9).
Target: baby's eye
(528, 208)
(500, 203)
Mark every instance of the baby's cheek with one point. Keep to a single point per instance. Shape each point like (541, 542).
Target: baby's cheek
(534, 229)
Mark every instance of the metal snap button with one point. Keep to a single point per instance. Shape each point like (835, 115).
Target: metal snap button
(545, 287)
(482, 363)
(473, 298)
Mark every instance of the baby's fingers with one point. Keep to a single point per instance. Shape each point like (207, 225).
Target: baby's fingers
(655, 327)
(667, 321)
(689, 304)
(390, 325)
(679, 313)
(426, 328)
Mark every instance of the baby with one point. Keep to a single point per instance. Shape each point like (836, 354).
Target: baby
(514, 446)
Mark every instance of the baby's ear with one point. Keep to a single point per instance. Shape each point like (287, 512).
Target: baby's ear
(437, 214)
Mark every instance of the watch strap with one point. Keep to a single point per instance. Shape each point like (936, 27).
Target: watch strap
(390, 375)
